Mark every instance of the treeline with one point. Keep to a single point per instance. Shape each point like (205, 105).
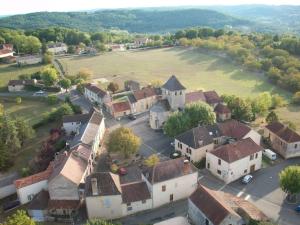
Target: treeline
(257, 52)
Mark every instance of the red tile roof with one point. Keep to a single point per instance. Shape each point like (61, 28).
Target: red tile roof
(144, 93)
(212, 97)
(234, 129)
(134, 192)
(194, 96)
(236, 151)
(121, 106)
(222, 109)
(283, 132)
(26, 181)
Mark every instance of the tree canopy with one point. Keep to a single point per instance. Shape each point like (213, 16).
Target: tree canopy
(49, 75)
(20, 218)
(289, 180)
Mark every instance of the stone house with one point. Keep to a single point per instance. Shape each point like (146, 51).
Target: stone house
(6, 51)
(120, 109)
(232, 161)
(57, 48)
(145, 99)
(170, 181)
(96, 95)
(222, 112)
(19, 85)
(29, 60)
(159, 113)
(209, 207)
(107, 198)
(283, 140)
(140, 42)
(131, 85)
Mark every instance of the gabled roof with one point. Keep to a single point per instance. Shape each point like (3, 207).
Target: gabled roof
(212, 97)
(211, 205)
(144, 93)
(222, 109)
(194, 96)
(121, 106)
(83, 118)
(167, 170)
(234, 129)
(107, 183)
(283, 132)
(63, 204)
(98, 91)
(196, 137)
(35, 178)
(236, 151)
(134, 192)
(15, 82)
(173, 84)
(40, 201)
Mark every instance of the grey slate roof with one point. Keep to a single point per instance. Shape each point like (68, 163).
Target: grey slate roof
(161, 106)
(173, 84)
(197, 137)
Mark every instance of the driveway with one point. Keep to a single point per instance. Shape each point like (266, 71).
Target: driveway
(263, 191)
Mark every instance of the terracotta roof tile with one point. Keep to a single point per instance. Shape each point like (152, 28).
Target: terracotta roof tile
(234, 129)
(236, 151)
(212, 97)
(283, 132)
(222, 109)
(134, 192)
(63, 204)
(144, 93)
(93, 88)
(194, 96)
(121, 106)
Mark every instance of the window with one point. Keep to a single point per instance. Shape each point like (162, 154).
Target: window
(296, 145)
(163, 188)
(143, 201)
(180, 92)
(206, 222)
(219, 161)
(256, 155)
(175, 92)
(171, 197)
(245, 171)
(208, 165)
(30, 197)
(219, 172)
(129, 204)
(251, 157)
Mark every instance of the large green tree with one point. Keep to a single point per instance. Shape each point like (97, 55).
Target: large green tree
(124, 141)
(272, 117)
(49, 76)
(65, 83)
(19, 218)
(113, 87)
(289, 180)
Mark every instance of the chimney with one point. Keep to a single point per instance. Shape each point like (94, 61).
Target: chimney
(94, 186)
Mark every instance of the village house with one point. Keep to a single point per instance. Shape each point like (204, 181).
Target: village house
(196, 142)
(159, 113)
(19, 85)
(6, 52)
(141, 42)
(96, 95)
(222, 112)
(131, 85)
(29, 60)
(107, 198)
(120, 109)
(145, 99)
(57, 48)
(170, 181)
(232, 161)
(117, 47)
(209, 207)
(283, 140)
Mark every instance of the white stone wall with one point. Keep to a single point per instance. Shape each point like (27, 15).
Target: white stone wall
(61, 188)
(176, 98)
(15, 88)
(71, 127)
(256, 137)
(160, 117)
(26, 194)
(136, 207)
(232, 171)
(104, 207)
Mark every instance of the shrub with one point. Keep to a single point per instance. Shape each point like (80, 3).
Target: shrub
(114, 168)
(296, 98)
(18, 100)
(52, 99)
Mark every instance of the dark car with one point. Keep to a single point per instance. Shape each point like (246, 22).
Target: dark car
(297, 209)
(132, 117)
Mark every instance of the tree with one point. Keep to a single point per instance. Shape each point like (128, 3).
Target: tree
(262, 103)
(65, 84)
(9, 134)
(5, 158)
(47, 57)
(24, 130)
(289, 180)
(113, 87)
(99, 222)
(291, 125)
(240, 108)
(49, 75)
(100, 47)
(18, 100)
(272, 117)
(152, 160)
(20, 218)
(1, 109)
(156, 83)
(296, 98)
(52, 99)
(84, 74)
(278, 101)
(124, 141)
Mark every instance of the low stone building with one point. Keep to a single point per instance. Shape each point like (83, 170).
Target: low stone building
(96, 95)
(233, 161)
(19, 85)
(283, 140)
(159, 113)
(57, 48)
(29, 60)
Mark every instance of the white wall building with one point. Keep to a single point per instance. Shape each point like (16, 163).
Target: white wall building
(233, 161)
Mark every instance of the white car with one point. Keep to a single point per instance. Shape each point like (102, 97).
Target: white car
(39, 93)
(247, 179)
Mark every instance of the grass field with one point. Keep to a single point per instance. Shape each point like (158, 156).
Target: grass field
(194, 69)
(32, 111)
(10, 72)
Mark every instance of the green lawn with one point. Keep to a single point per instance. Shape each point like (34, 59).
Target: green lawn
(290, 113)
(195, 69)
(10, 72)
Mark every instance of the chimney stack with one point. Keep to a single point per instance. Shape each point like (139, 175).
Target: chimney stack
(94, 186)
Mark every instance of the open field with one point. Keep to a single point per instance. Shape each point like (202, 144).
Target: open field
(290, 113)
(196, 70)
(10, 72)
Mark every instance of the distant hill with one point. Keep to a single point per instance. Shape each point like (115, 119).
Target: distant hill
(138, 20)
(283, 18)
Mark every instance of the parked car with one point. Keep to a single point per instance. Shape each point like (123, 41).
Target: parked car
(172, 143)
(122, 171)
(270, 154)
(175, 155)
(297, 209)
(247, 179)
(132, 117)
(39, 93)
